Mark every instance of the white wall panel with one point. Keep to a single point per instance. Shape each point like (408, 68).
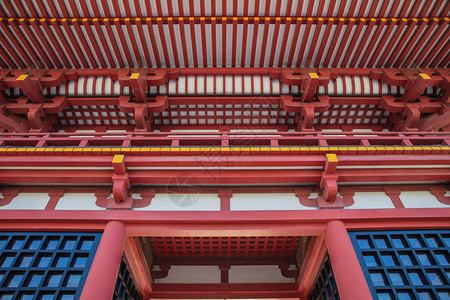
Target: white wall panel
(36, 201)
(420, 200)
(273, 201)
(184, 202)
(257, 274)
(192, 274)
(78, 201)
(371, 200)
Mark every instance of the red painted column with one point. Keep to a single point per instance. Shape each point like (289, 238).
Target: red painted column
(105, 267)
(347, 270)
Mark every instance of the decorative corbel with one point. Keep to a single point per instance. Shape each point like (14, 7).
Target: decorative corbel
(55, 195)
(33, 90)
(54, 78)
(147, 195)
(142, 111)
(285, 272)
(40, 117)
(413, 82)
(408, 114)
(291, 78)
(445, 86)
(439, 192)
(139, 82)
(224, 268)
(142, 118)
(390, 76)
(347, 195)
(411, 117)
(306, 117)
(163, 272)
(225, 197)
(121, 185)
(306, 111)
(39, 114)
(2, 92)
(35, 115)
(302, 193)
(309, 86)
(8, 195)
(435, 122)
(12, 123)
(328, 184)
(138, 86)
(308, 83)
(102, 196)
(414, 88)
(394, 194)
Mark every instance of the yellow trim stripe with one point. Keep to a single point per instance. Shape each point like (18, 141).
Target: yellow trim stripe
(138, 19)
(233, 150)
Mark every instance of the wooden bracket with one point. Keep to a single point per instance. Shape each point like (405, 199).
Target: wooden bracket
(414, 88)
(139, 87)
(285, 272)
(140, 81)
(439, 192)
(347, 195)
(309, 86)
(394, 194)
(32, 90)
(225, 197)
(306, 110)
(435, 122)
(408, 114)
(121, 182)
(305, 81)
(328, 184)
(445, 99)
(12, 123)
(302, 193)
(163, 272)
(143, 111)
(102, 196)
(8, 195)
(55, 195)
(147, 196)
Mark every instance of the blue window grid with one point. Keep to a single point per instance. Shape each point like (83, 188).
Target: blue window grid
(125, 285)
(324, 287)
(45, 265)
(412, 264)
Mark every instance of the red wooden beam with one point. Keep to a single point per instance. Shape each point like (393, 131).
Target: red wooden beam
(214, 177)
(334, 72)
(13, 123)
(138, 266)
(229, 291)
(313, 261)
(344, 262)
(416, 87)
(233, 223)
(102, 275)
(196, 161)
(29, 88)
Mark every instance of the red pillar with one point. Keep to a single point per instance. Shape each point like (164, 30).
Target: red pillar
(348, 273)
(105, 267)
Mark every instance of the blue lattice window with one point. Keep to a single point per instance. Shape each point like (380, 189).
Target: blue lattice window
(125, 285)
(405, 264)
(45, 265)
(324, 287)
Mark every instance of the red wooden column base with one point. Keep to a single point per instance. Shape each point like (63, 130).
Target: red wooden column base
(105, 267)
(348, 273)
